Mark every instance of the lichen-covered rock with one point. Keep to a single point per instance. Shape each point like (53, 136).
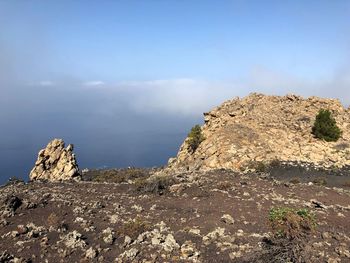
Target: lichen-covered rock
(129, 254)
(260, 128)
(55, 163)
(227, 219)
(108, 236)
(73, 240)
(91, 253)
(189, 251)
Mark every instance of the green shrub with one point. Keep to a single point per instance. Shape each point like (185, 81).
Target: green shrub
(291, 223)
(195, 137)
(325, 127)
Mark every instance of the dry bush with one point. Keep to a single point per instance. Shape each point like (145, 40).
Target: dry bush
(320, 181)
(275, 163)
(280, 251)
(347, 183)
(291, 223)
(119, 176)
(157, 184)
(134, 228)
(225, 186)
(53, 220)
(291, 230)
(257, 166)
(341, 146)
(295, 180)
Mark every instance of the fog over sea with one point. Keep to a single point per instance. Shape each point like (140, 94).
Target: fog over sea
(120, 138)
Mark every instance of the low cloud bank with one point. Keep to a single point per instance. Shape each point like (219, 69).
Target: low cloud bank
(192, 97)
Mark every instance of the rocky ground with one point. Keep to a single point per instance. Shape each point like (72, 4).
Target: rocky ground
(217, 216)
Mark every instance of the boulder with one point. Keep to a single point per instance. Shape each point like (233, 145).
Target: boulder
(56, 163)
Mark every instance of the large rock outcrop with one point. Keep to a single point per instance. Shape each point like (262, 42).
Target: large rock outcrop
(260, 128)
(55, 163)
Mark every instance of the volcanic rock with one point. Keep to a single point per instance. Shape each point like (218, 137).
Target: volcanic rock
(55, 163)
(263, 129)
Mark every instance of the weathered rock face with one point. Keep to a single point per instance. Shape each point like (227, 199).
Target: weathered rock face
(55, 163)
(260, 128)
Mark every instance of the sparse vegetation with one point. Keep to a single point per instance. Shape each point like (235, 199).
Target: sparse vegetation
(14, 180)
(347, 183)
(264, 167)
(320, 181)
(341, 146)
(258, 166)
(325, 127)
(157, 184)
(275, 163)
(134, 228)
(261, 167)
(195, 137)
(224, 186)
(295, 180)
(291, 230)
(118, 175)
(291, 223)
(53, 220)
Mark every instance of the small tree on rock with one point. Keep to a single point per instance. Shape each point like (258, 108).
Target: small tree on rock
(325, 127)
(195, 137)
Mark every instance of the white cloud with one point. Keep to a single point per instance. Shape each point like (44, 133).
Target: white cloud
(45, 83)
(337, 85)
(94, 83)
(178, 96)
(192, 96)
(41, 83)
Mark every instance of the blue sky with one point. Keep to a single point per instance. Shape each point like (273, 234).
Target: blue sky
(125, 80)
(143, 40)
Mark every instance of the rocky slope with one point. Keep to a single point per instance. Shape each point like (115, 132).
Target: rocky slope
(259, 128)
(217, 216)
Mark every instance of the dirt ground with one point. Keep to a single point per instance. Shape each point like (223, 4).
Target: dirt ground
(216, 216)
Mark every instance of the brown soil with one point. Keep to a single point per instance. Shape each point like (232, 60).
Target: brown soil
(171, 223)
